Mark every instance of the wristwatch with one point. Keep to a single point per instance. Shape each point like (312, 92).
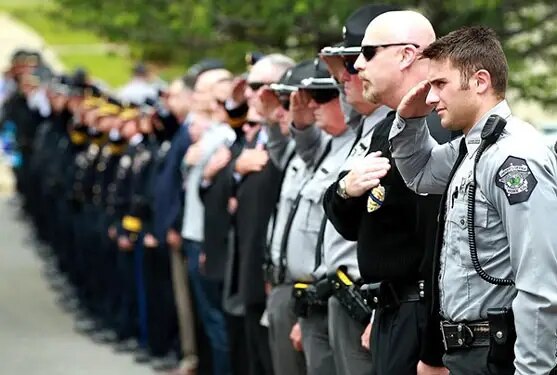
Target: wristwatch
(341, 189)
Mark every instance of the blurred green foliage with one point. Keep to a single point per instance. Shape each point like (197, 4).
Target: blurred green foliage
(177, 33)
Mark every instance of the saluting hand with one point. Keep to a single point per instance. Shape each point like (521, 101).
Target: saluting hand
(414, 104)
(267, 105)
(302, 114)
(366, 174)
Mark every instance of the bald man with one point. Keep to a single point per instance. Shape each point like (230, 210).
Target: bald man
(394, 227)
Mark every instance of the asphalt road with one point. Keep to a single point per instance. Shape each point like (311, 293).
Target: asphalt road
(36, 336)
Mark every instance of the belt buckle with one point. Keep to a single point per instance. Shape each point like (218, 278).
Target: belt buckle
(443, 336)
(464, 335)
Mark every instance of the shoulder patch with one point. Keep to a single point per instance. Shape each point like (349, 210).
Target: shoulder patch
(516, 179)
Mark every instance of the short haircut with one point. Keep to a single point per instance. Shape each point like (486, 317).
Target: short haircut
(470, 49)
(278, 62)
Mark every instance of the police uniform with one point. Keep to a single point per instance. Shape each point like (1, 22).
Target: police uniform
(513, 205)
(280, 305)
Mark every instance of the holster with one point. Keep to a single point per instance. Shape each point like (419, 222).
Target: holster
(502, 335)
(381, 294)
(349, 296)
(308, 297)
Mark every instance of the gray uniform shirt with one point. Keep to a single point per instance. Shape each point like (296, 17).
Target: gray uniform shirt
(214, 137)
(304, 232)
(515, 212)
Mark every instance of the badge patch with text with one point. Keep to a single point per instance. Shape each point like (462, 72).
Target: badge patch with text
(516, 179)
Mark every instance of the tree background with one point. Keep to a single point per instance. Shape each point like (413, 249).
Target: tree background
(184, 31)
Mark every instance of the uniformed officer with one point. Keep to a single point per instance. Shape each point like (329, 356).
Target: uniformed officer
(346, 327)
(316, 106)
(283, 325)
(495, 255)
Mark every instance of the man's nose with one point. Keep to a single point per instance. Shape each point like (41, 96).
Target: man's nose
(360, 63)
(432, 97)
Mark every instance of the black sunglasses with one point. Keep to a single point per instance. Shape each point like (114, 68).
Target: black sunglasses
(253, 124)
(370, 51)
(284, 102)
(256, 85)
(322, 96)
(349, 61)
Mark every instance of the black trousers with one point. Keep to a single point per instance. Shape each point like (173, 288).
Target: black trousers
(396, 337)
(239, 357)
(257, 338)
(161, 311)
(475, 361)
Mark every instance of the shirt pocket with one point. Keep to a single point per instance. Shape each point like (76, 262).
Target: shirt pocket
(459, 219)
(313, 199)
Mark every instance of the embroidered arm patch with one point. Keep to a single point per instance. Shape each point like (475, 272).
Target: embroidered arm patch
(516, 179)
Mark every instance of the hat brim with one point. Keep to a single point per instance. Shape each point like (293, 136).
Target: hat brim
(341, 51)
(319, 84)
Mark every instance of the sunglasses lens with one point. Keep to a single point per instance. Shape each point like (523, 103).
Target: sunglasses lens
(255, 85)
(368, 52)
(252, 123)
(349, 62)
(323, 96)
(285, 103)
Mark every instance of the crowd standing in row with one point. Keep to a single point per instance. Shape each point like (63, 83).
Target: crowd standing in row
(333, 216)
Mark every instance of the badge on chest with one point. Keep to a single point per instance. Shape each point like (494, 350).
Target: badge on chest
(375, 199)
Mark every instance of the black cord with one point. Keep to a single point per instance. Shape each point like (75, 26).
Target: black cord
(471, 231)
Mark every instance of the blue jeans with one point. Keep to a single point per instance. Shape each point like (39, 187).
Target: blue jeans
(208, 301)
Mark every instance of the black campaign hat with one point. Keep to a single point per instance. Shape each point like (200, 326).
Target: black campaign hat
(355, 28)
(356, 24)
(320, 79)
(292, 78)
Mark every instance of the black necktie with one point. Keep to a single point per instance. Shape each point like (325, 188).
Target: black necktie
(462, 150)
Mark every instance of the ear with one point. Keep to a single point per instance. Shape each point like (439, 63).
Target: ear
(409, 54)
(481, 81)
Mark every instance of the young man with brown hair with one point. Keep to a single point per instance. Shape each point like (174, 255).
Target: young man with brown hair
(495, 254)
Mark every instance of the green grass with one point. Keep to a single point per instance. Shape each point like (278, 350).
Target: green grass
(112, 68)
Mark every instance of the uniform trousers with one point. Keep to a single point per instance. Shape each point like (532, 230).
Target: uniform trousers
(281, 315)
(395, 338)
(315, 338)
(474, 361)
(345, 337)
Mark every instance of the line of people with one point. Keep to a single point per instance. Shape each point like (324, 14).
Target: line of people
(286, 220)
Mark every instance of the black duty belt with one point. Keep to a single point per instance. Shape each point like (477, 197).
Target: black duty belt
(387, 294)
(311, 298)
(465, 335)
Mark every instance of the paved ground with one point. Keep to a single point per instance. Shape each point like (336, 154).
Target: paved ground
(14, 34)
(36, 336)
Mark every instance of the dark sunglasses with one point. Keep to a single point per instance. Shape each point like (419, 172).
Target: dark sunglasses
(322, 96)
(349, 61)
(284, 102)
(256, 85)
(253, 124)
(370, 51)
